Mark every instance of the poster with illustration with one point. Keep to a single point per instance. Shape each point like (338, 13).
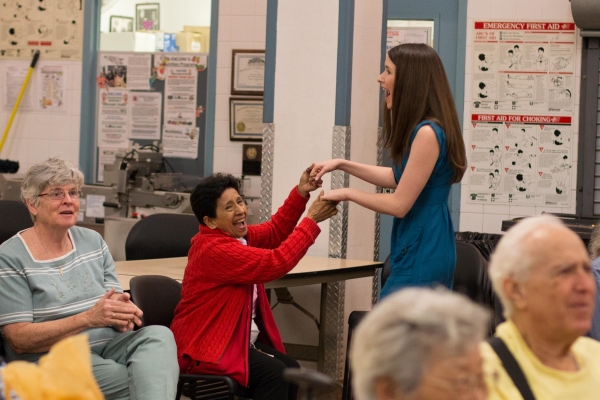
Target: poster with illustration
(523, 67)
(52, 87)
(522, 109)
(520, 160)
(54, 27)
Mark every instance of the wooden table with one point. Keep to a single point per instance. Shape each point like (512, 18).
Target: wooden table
(309, 271)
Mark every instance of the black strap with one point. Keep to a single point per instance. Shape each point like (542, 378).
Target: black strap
(512, 367)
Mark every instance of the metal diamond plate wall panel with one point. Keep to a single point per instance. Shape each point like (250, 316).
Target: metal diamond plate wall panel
(375, 284)
(338, 236)
(266, 172)
(376, 247)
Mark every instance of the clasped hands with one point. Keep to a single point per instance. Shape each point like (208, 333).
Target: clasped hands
(316, 172)
(115, 310)
(321, 208)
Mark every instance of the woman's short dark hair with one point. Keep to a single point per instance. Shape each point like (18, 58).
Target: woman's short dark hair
(206, 194)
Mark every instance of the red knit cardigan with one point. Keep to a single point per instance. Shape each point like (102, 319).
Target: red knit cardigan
(212, 321)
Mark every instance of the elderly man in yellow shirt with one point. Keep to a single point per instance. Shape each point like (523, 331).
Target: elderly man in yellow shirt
(542, 273)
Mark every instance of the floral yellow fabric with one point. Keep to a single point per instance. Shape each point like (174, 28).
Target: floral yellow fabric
(65, 373)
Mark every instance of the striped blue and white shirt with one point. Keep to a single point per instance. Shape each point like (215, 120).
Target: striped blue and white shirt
(36, 291)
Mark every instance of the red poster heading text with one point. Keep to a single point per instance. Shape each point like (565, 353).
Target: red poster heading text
(523, 119)
(526, 26)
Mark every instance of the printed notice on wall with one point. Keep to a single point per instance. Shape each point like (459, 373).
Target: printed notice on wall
(180, 97)
(522, 112)
(397, 35)
(113, 119)
(52, 88)
(15, 76)
(180, 142)
(523, 67)
(145, 115)
(520, 159)
(124, 70)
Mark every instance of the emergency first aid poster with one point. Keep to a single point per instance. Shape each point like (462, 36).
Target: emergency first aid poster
(521, 113)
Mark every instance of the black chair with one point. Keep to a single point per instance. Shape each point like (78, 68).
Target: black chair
(470, 274)
(472, 279)
(353, 320)
(15, 218)
(485, 243)
(161, 236)
(157, 296)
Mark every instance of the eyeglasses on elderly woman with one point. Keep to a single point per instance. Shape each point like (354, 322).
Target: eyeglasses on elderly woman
(58, 194)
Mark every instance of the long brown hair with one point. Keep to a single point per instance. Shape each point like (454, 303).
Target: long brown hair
(421, 92)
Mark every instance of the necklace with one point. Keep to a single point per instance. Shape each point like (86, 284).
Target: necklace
(45, 249)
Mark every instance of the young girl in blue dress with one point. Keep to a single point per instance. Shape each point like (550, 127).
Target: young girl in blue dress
(421, 129)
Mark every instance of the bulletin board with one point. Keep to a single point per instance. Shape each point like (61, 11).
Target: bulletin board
(152, 98)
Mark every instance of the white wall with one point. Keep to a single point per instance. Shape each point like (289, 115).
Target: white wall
(37, 135)
(305, 89)
(364, 122)
(242, 25)
(173, 14)
(488, 218)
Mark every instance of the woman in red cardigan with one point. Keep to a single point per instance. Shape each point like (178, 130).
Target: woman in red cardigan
(223, 324)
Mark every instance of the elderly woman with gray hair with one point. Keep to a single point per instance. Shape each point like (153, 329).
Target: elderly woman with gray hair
(59, 280)
(420, 344)
(541, 272)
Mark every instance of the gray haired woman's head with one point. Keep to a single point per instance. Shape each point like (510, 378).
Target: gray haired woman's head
(50, 173)
(407, 333)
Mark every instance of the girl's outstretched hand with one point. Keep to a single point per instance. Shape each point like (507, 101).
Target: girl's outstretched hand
(320, 169)
(337, 195)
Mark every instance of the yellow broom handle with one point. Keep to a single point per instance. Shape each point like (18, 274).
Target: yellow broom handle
(16, 106)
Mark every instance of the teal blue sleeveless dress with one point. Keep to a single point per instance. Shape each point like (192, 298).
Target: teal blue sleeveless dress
(423, 252)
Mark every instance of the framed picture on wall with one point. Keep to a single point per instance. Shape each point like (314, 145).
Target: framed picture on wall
(245, 119)
(147, 17)
(248, 72)
(120, 24)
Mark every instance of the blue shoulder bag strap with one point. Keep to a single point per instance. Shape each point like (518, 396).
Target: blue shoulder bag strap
(512, 367)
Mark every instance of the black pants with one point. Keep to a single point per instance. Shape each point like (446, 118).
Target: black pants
(266, 381)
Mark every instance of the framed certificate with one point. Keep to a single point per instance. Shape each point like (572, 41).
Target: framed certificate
(120, 24)
(245, 119)
(248, 72)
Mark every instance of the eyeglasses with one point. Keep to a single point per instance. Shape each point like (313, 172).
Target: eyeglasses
(60, 194)
(460, 385)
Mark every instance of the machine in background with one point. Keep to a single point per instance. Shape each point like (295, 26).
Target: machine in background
(134, 186)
